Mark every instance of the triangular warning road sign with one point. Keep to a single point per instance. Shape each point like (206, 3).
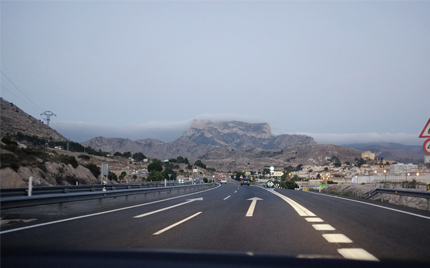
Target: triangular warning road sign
(426, 131)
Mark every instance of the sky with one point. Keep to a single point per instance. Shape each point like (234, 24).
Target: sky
(340, 71)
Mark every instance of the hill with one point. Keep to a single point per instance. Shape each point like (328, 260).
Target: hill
(393, 151)
(14, 120)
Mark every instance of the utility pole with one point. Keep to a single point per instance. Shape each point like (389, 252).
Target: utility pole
(48, 115)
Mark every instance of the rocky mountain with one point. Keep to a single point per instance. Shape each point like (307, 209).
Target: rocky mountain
(232, 145)
(14, 120)
(203, 137)
(393, 151)
(241, 135)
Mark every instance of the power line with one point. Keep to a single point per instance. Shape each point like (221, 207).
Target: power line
(19, 97)
(20, 91)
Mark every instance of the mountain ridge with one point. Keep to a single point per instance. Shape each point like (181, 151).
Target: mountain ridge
(202, 137)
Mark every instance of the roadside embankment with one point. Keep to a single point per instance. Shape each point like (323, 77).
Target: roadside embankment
(361, 190)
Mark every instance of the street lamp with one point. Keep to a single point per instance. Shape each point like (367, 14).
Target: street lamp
(385, 173)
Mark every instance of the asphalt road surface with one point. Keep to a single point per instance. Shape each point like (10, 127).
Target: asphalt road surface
(234, 218)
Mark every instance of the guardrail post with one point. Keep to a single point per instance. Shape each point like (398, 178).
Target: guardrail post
(428, 204)
(30, 185)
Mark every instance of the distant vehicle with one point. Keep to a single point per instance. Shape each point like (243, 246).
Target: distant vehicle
(244, 182)
(223, 180)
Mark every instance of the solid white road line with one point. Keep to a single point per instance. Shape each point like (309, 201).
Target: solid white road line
(356, 254)
(101, 213)
(314, 220)
(166, 208)
(347, 253)
(227, 198)
(337, 238)
(176, 224)
(299, 208)
(323, 227)
(370, 204)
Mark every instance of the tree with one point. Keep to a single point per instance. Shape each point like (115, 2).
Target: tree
(126, 154)
(186, 161)
(138, 157)
(199, 163)
(123, 174)
(112, 176)
(168, 171)
(155, 176)
(289, 169)
(359, 162)
(117, 154)
(156, 165)
(180, 159)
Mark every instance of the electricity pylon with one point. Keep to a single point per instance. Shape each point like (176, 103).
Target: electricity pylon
(48, 115)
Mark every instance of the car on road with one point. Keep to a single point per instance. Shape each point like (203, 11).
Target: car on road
(224, 180)
(244, 182)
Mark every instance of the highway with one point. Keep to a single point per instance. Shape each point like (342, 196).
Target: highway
(234, 218)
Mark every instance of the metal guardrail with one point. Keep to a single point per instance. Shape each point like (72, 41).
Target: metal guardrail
(82, 194)
(42, 190)
(419, 194)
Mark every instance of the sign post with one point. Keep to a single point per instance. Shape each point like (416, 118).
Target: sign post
(426, 131)
(426, 134)
(105, 172)
(426, 146)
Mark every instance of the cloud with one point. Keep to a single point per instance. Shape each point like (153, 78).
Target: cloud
(351, 138)
(166, 131)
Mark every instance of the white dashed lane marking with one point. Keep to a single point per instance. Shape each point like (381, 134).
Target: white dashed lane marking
(323, 227)
(356, 254)
(347, 253)
(314, 220)
(337, 238)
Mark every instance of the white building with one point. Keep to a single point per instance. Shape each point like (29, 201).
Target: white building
(401, 168)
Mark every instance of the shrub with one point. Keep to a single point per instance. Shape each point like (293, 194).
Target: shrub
(9, 160)
(69, 160)
(84, 157)
(112, 176)
(95, 170)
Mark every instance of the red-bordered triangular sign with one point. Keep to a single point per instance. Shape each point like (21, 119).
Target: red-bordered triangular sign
(426, 131)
